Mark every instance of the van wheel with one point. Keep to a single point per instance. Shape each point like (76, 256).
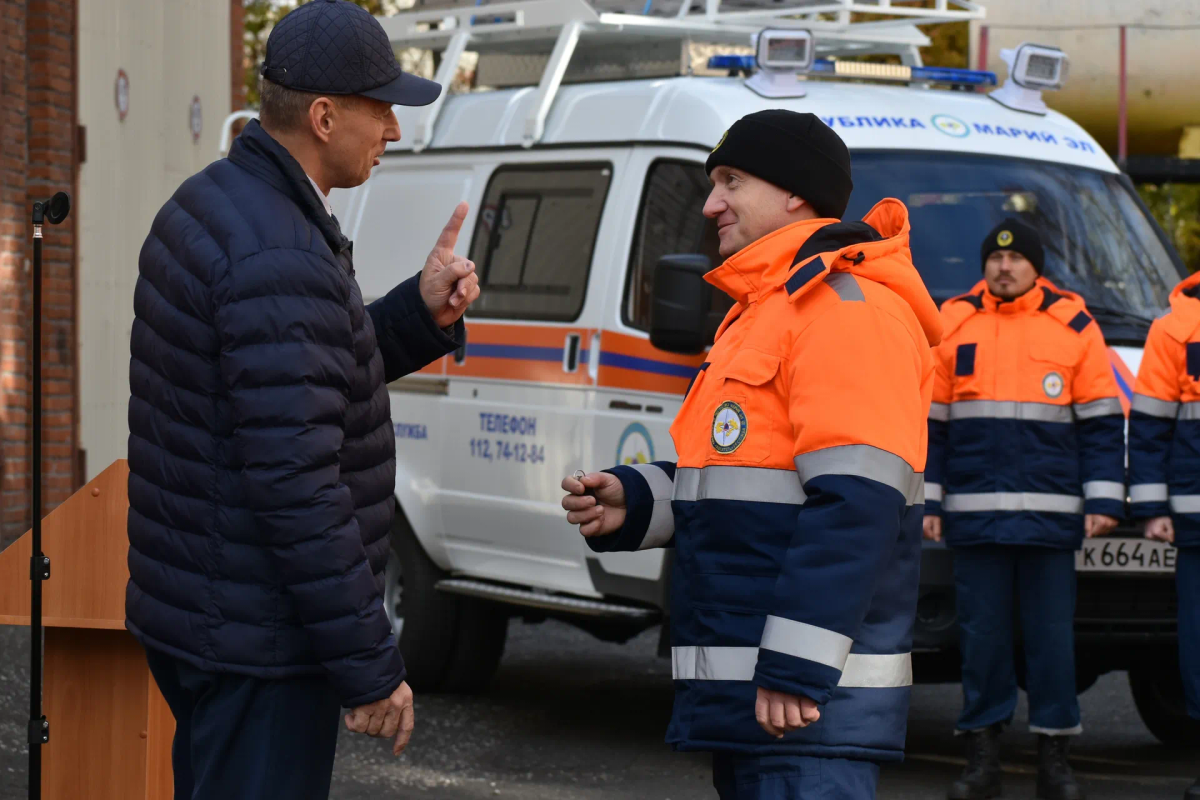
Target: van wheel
(482, 630)
(1158, 694)
(423, 619)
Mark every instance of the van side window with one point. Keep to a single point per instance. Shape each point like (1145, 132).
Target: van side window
(671, 221)
(534, 239)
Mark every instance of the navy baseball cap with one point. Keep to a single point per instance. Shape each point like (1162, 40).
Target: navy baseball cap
(335, 47)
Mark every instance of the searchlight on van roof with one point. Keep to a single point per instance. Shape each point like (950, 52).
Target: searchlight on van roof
(1032, 69)
(781, 56)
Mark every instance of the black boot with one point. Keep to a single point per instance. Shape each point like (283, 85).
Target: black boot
(1055, 779)
(1194, 792)
(981, 777)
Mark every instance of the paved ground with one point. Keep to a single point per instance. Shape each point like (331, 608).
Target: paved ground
(571, 718)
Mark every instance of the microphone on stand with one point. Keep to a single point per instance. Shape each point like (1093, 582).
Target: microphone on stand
(51, 212)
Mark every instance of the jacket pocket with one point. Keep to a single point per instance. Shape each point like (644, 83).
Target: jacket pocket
(968, 382)
(1052, 369)
(745, 409)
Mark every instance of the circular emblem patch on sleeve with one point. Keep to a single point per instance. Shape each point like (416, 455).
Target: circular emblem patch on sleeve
(1052, 384)
(1004, 238)
(729, 427)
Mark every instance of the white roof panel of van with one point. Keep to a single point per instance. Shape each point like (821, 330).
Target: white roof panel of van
(696, 111)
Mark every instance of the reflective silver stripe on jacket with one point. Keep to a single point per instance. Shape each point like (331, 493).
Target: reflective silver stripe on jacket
(939, 412)
(845, 285)
(862, 671)
(933, 493)
(1148, 493)
(1010, 409)
(1104, 490)
(865, 671)
(1185, 503)
(864, 461)
(738, 483)
(1189, 411)
(662, 518)
(1013, 501)
(806, 641)
(1154, 407)
(1104, 407)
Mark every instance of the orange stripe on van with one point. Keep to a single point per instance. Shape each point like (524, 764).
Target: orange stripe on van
(534, 354)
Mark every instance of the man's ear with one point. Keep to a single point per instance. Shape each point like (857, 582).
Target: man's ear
(320, 118)
(795, 203)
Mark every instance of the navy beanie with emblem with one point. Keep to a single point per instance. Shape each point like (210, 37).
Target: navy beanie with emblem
(1012, 234)
(796, 152)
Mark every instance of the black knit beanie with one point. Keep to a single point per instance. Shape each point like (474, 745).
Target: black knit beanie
(1012, 234)
(797, 152)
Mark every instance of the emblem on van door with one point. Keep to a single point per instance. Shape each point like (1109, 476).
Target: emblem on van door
(635, 445)
(1052, 384)
(729, 427)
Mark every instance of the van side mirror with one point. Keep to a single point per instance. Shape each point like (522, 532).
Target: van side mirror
(680, 320)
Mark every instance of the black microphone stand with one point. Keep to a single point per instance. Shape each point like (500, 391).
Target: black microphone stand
(52, 211)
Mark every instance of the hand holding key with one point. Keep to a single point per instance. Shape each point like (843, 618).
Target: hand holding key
(596, 502)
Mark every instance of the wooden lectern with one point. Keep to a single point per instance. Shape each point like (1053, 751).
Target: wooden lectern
(110, 728)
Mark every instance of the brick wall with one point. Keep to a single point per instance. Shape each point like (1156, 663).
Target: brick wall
(37, 158)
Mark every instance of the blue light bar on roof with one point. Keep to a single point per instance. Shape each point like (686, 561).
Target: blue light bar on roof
(859, 69)
(731, 62)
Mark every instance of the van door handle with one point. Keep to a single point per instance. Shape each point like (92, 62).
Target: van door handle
(571, 353)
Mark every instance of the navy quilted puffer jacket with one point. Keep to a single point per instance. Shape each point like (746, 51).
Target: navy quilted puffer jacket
(261, 450)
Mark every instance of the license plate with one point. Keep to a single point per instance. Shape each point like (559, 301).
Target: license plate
(1125, 555)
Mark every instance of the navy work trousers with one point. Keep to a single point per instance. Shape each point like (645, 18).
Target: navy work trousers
(243, 738)
(1187, 584)
(1038, 583)
(743, 777)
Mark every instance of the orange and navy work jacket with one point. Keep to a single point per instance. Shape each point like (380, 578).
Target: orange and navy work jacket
(795, 505)
(1164, 419)
(1026, 430)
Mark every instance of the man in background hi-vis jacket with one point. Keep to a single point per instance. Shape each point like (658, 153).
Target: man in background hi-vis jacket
(795, 505)
(1164, 464)
(1026, 457)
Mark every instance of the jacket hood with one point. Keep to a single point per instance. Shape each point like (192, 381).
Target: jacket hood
(1185, 309)
(876, 249)
(1062, 304)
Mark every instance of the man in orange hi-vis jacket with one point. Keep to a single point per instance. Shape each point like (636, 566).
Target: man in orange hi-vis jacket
(795, 505)
(1164, 464)
(1026, 455)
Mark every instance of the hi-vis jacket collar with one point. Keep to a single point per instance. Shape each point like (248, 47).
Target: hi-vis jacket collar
(798, 257)
(1065, 306)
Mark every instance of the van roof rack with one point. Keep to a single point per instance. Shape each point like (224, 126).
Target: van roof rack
(550, 38)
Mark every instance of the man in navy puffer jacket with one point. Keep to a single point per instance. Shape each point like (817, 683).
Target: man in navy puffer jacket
(261, 448)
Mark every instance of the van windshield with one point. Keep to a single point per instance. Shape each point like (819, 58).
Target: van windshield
(1098, 240)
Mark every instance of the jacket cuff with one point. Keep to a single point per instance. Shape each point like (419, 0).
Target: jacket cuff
(1151, 510)
(1105, 506)
(405, 301)
(933, 498)
(781, 672)
(398, 675)
(639, 509)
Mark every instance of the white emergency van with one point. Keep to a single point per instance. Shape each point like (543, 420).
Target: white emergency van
(583, 167)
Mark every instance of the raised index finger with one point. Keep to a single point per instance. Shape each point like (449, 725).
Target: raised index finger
(449, 237)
